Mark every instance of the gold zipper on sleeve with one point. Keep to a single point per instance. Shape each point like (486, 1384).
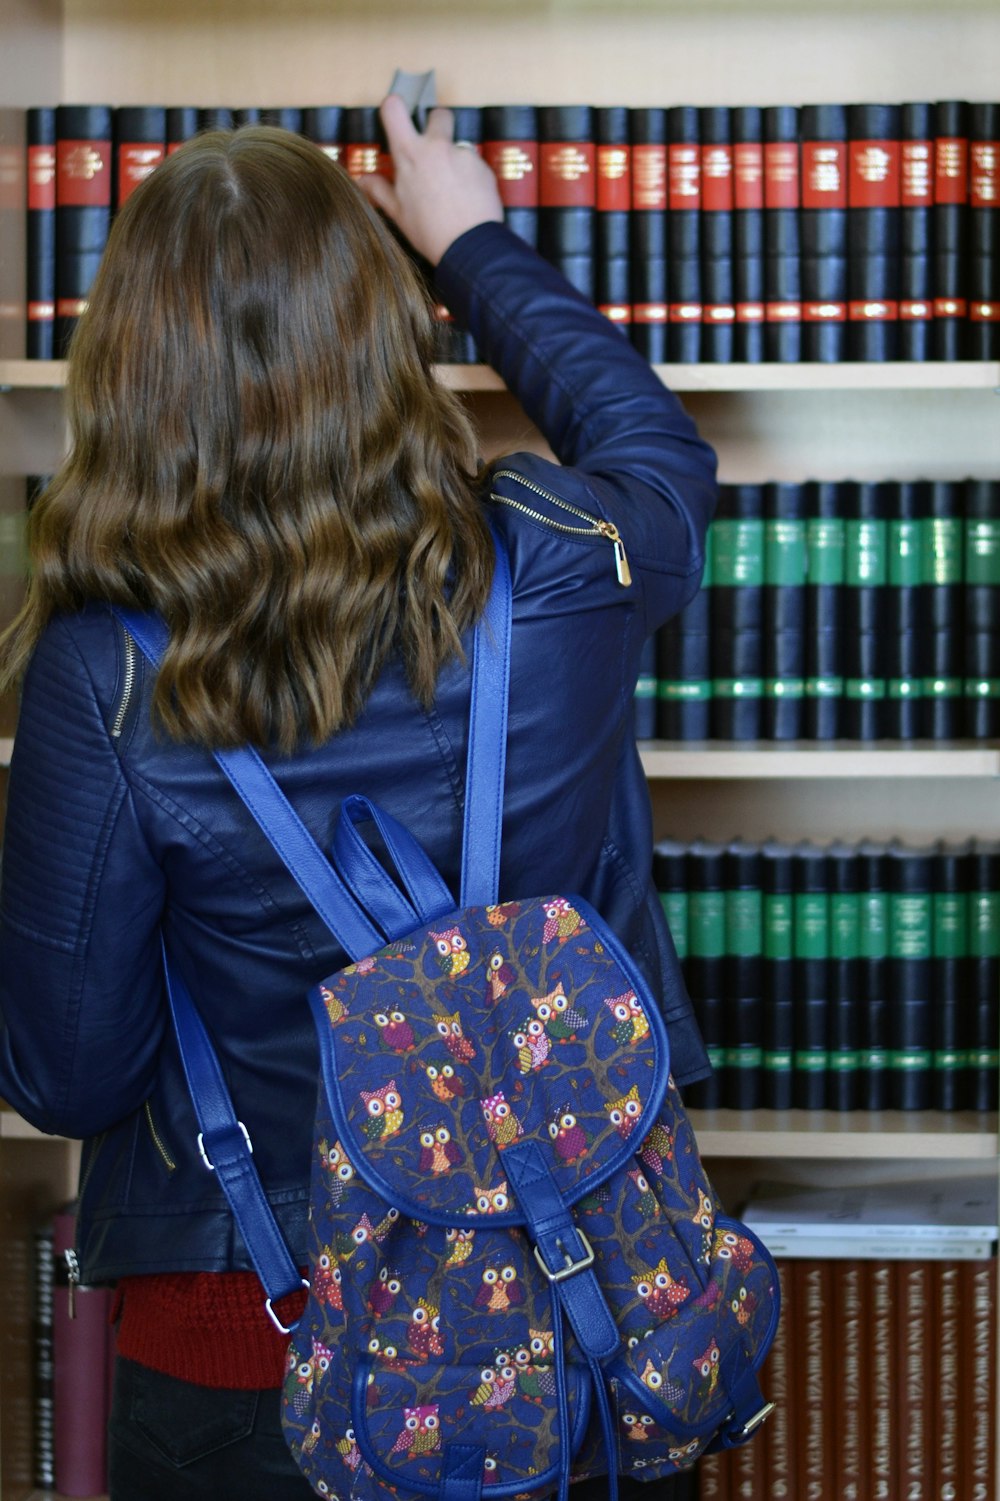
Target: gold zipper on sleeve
(119, 719)
(595, 527)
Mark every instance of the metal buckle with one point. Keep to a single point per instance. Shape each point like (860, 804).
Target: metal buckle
(204, 1155)
(571, 1266)
(753, 1423)
(269, 1309)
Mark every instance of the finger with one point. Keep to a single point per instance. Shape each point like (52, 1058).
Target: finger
(441, 124)
(379, 191)
(399, 127)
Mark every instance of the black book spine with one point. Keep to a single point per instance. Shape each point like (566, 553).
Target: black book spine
(44, 1361)
(83, 209)
(943, 612)
(782, 238)
(949, 980)
(824, 232)
(748, 232)
(916, 220)
(865, 566)
(873, 231)
(250, 115)
(843, 1085)
(365, 148)
(684, 234)
(684, 666)
(40, 246)
(812, 952)
(567, 193)
(718, 309)
(910, 955)
(785, 563)
(981, 1029)
(286, 117)
(217, 118)
(984, 232)
(648, 233)
(742, 1080)
(179, 125)
(323, 124)
(705, 971)
(737, 540)
(778, 979)
(951, 226)
(672, 882)
(510, 146)
(612, 246)
(904, 642)
(874, 976)
(140, 144)
(982, 609)
(825, 582)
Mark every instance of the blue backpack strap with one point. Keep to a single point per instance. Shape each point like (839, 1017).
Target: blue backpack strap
(487, 756)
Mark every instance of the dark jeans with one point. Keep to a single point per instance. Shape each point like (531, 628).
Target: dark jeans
(171, 1441)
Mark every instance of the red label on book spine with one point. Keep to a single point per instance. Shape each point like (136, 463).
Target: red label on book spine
(718, 312)
(717, 178)
(916, 173)
(984, 173)
(781, 174)
(649, 312)
(951, 169)
(685, 312)
(873, 174)
(684, 176)
(365, 159)
(515, 166)
(71, 307)
(950, 307)
(332, 149)
(749, 312)
(614, 185)
(748, 174)
(83, 174)
(872, 311)
(649, 177)
(41, 177)
(824, 174)
(824, 312)
(567, 178)
(915, 310)
(617, 312)
(984, 312)
(135, 162)
(41, 312)
(782, 312)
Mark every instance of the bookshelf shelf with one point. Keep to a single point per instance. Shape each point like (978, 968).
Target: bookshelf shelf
(711, 760)
(960, 375)
(825, 1134)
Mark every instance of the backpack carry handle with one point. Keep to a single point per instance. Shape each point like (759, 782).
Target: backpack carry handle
(427, 896)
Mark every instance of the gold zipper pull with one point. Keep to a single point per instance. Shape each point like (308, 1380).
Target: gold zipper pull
(609, 530)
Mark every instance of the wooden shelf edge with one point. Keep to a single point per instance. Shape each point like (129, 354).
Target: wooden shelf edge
(819, 1134)
(709, 760)
(939, 375)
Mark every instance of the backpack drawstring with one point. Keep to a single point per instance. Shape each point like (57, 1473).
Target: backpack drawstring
(562, 1404)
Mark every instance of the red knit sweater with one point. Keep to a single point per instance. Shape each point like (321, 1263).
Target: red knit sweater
(210, 1328)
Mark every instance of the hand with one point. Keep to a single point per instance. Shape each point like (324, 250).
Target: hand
(440, 189)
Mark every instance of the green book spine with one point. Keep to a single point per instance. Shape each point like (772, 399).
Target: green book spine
(737, 535)
(778, 883)
(874, 977)
(910, 949)
(706, 962)
(825, 583)
(742, 1070)
(844, 1030)
(949, 974)
(812, 952)
(984, 986)
(785, 560)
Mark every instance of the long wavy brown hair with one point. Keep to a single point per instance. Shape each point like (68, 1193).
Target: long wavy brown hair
(260, 451)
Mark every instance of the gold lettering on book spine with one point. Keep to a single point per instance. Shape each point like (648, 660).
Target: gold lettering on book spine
(82, 161)
(512, 164)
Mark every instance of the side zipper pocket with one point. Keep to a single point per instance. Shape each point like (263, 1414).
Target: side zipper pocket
(128, 687)
(596, 527)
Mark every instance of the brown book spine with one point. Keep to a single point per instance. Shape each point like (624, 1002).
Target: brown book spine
(777, 1451)
(915, 1374)
(979, 1387)
(713, 1482)
(851, 1452)
(882, 1380)
(813, 1349)
(947, 1473)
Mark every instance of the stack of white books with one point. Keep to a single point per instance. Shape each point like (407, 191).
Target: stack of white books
(941, 1219)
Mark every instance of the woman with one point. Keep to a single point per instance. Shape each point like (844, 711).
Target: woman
(261, 454)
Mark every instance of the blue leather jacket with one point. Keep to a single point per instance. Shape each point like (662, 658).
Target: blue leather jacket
(113, 831)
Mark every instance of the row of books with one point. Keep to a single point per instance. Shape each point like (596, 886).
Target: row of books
(884, 1383)
(73, 1368)
(841, 976)
(708, 233)
(836, 610)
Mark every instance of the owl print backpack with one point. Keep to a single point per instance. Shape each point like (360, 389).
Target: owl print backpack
(519, 1273)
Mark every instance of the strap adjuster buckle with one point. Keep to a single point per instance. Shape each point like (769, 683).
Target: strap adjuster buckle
(752, 1424)
(571, 1267)
(204, 1155)
(269, 1310)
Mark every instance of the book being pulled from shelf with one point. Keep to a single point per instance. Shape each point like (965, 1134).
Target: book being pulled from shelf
(939, 1219)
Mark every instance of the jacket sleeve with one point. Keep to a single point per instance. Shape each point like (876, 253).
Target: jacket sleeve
(636, 453)
(82, 1010)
